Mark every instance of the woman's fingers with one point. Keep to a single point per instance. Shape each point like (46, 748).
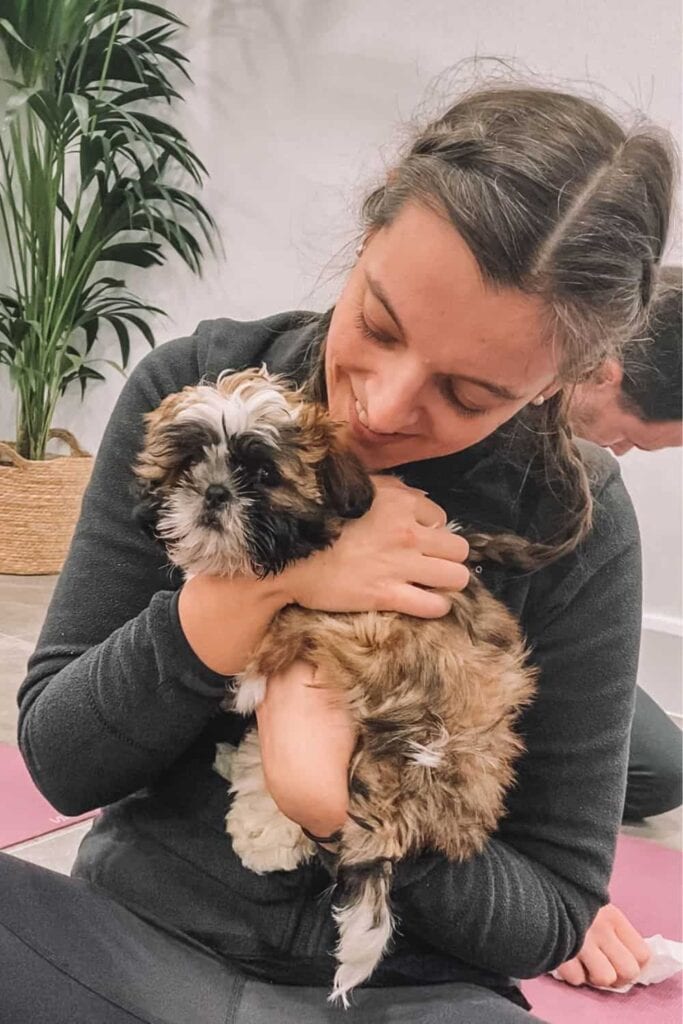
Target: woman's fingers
(428, 513)
(613, 952)
(441, 564)
(440, 574)
(622, 965)
(572, 972)
(410, 600)
(608, 965)
(443, 543)
(597, 965)
(632, 939)
(612, 955)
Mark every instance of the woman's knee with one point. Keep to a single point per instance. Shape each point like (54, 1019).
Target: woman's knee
(653, 791)
(655, 771)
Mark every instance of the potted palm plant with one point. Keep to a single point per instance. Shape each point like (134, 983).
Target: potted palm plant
(89, 178)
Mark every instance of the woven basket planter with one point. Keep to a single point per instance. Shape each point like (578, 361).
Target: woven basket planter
(39, 504)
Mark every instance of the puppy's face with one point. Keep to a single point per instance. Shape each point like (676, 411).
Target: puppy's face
(245, 477)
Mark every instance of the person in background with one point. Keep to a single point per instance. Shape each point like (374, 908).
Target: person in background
(635, 402)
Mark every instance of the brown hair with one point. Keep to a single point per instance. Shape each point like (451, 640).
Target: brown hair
(553, 197)
(651, 385)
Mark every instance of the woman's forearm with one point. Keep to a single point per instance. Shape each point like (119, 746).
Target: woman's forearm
(224, 619)
(99, 722)
(306, 744)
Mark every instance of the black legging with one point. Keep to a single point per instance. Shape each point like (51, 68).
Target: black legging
(69, 954)
(654, 782)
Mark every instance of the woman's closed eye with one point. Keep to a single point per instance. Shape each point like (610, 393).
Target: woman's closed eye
(464, 408)
(447, 388)
(374, 333)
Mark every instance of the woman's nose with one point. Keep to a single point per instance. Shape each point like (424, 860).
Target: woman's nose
(392, 404)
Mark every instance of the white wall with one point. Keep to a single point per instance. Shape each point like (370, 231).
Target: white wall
(293, 111)
(654, 482)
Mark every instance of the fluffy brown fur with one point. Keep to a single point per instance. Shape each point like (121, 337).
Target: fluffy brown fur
(434, 701)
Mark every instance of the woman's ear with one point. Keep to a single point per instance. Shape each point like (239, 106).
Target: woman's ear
(608, 376)
(347, 488)
(551, 390)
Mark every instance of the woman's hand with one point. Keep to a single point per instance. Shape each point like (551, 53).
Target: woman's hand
(306, 745)
(382, 561)
(613, 953)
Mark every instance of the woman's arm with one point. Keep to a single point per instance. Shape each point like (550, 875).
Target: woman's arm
(300, 726)
(524, 905)
(115, 691)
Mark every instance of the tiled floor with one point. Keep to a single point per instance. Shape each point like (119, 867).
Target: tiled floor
(23, 602)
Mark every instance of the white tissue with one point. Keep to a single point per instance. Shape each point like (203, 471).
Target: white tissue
(666, 960)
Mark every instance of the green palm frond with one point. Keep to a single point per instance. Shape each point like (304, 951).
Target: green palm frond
(88, 175)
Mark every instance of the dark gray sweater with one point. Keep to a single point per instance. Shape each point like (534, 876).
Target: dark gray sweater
(118, 712)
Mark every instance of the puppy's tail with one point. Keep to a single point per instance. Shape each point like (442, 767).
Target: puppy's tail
(365, 921)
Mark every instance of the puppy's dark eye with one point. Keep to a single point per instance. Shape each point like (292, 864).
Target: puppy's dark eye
(267, 475)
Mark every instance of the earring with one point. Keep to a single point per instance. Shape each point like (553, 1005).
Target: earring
(360, 248)
(538, 400)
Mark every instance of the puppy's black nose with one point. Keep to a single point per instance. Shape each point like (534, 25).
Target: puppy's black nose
(217, 495)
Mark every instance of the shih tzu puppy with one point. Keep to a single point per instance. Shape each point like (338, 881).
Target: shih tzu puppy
(243, 478)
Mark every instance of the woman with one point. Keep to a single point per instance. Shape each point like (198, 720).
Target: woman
(513, 247)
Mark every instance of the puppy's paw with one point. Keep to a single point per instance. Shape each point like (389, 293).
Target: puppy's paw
(263, 838)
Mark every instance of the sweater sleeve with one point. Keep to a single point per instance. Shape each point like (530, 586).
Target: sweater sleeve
(524, 904)
(114, 693)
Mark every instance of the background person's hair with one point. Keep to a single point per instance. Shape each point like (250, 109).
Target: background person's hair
(651, 386)
(554, 198)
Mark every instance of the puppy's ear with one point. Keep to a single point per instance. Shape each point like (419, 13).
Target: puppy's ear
(347, 488)
(147, 507)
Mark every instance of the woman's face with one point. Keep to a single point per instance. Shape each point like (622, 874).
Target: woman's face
(423, 358)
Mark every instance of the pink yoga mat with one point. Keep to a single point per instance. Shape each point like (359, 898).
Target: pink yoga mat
(646, 885)
(24, 813)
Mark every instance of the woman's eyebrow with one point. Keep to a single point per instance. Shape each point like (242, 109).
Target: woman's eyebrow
(381, 296)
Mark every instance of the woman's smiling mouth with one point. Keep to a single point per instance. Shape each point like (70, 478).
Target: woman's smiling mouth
(357, 420)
